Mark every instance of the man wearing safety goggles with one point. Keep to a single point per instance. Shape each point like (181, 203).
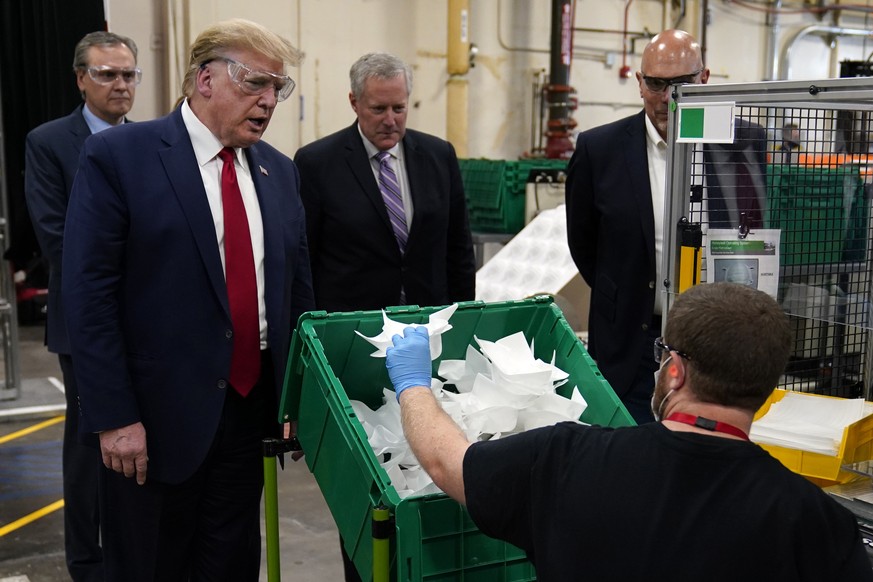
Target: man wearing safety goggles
(107, 76)
(185, 271)
(615, 202)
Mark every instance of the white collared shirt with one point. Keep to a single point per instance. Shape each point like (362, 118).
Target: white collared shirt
(398, 164)
(656, 154)
(206, 148)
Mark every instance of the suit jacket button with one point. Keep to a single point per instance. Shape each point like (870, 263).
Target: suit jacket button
(222, 384)
(645, 326)
(228, 333)
(651, 284)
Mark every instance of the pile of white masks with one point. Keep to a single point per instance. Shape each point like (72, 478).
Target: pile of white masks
(501, 390)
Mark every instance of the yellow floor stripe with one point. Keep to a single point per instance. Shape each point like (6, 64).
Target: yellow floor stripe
(30, 429)
(19, 523)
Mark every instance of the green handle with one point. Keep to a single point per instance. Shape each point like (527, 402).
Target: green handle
(271, 517)
(381, 544)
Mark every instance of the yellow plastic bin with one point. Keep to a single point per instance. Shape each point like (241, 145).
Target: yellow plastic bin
(824, 470)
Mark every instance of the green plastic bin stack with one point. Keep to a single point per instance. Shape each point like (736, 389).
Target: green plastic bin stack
(822, 213)
(434, 537)
(495, 191)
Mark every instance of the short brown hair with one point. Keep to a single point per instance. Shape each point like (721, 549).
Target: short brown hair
(236, 34)
(99, 38)
(737, 340)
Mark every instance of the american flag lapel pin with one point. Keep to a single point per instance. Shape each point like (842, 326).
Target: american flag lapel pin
(264, 170)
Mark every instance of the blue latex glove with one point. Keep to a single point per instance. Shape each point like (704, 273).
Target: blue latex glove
(408, 362)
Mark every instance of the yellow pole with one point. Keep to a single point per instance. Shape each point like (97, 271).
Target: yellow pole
(382, 532)
(458, 65)
(456, 115)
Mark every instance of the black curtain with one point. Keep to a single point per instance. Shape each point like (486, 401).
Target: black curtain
(37, 84)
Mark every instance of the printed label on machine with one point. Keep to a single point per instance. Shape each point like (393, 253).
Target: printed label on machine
(752, 261)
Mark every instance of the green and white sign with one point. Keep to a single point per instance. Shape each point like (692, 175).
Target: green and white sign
(706, 123)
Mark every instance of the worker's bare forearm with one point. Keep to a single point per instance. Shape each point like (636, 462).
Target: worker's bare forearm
(435, 439)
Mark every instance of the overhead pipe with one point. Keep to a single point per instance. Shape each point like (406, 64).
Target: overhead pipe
(771, 55)
(820, 30)
(458, 65)
(630, 33)
(683, 9)
(593, 53)
(503, 44)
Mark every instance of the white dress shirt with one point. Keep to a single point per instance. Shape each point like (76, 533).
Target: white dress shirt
(206, 148)
(656, 154)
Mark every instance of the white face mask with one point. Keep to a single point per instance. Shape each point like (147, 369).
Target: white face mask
(660, 409)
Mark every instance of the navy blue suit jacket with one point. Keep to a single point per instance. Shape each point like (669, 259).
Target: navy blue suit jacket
(611, 233)
(145, 293)
(51, 159)
(356, 263)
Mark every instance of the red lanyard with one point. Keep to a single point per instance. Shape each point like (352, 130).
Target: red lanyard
(705, 423)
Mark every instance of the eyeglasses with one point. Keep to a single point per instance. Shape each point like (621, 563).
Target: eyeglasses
(106, 75)
(659, 84)
(258, 82)
(661, 348)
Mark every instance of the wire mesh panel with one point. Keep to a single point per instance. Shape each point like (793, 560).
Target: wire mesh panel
(794, 166)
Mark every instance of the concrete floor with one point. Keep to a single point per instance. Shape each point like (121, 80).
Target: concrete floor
(30, 481)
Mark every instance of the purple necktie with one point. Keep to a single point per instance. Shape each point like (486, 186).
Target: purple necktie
(390, 188)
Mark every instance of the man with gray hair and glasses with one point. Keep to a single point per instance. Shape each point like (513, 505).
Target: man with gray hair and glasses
(386, 215)
(186, 269)
(107, 76)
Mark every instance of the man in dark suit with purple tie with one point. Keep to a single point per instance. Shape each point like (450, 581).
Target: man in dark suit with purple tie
(385, 210)
(357, 261)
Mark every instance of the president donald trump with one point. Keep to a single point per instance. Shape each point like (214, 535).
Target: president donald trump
(186, 269)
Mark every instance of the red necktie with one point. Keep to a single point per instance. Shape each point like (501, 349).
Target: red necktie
(242, 286)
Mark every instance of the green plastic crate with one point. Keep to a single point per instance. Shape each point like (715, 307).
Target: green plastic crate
(822, 213)
(495, 191)
(435, 539)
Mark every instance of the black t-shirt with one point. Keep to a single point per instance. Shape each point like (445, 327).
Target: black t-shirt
(647, 503)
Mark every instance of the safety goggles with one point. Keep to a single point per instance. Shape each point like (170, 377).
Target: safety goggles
(661, 348)
(258, 82)
(659, 84)
(106, 75)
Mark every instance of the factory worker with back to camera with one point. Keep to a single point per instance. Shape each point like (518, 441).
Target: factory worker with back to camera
(684, 498)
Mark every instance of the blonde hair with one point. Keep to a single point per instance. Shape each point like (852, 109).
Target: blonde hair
(236, 34)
